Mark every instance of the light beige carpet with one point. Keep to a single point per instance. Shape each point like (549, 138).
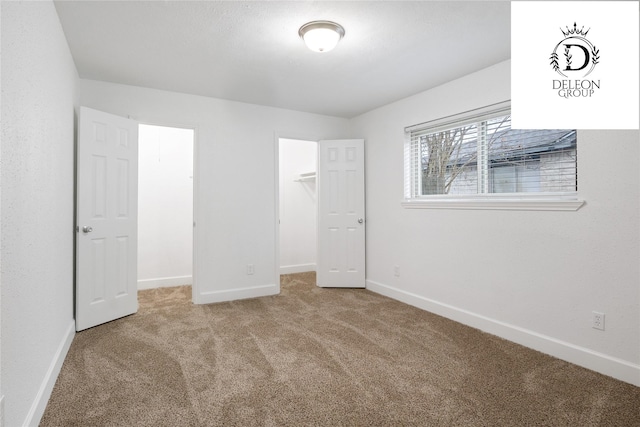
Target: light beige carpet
(316, 357)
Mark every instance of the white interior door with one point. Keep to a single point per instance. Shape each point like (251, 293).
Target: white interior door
(106, 229)
(341, 219)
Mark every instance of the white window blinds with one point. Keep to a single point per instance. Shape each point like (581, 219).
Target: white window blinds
(482, 154)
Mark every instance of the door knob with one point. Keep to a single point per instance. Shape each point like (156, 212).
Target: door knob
(87, 229)
(360, 220)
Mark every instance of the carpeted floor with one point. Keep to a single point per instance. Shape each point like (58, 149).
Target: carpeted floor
(316, 357)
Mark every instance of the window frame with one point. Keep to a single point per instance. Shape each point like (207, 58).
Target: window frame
(540, 201)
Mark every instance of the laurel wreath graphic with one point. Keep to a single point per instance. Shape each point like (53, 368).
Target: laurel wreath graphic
(554, 61)
(567, 56)
(595, 55)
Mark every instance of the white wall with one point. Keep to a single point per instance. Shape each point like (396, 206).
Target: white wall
(1, 395)
(532, 277)
(39, 87)
(235, 178)
(297, 206)
(165, 206)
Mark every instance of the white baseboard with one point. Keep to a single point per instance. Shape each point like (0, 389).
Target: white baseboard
(164, 282)
(599, 362)
(236, 294)
(298, 268)
(44, 393)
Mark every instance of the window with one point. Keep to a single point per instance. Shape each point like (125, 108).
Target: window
(477, 156)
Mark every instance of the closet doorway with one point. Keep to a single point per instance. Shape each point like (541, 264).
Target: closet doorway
(298, 162)
(165, 206)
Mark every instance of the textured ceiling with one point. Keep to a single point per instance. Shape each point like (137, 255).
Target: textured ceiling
(251, 52)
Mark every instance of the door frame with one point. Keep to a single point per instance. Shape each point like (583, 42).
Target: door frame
(194, 234)
(276, 161)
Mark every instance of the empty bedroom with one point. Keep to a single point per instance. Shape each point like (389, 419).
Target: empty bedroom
(316, 213)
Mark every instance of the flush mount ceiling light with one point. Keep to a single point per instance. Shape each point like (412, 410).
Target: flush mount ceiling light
(321, 36)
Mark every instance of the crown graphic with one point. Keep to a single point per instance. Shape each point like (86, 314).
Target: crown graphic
(575, 30)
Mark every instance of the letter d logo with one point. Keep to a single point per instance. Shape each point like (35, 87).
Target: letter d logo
(580, 56)
(568, 56)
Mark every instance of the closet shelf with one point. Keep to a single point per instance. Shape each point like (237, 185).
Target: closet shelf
(309, 176)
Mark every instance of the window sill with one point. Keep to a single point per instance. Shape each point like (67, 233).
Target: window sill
(519, 202)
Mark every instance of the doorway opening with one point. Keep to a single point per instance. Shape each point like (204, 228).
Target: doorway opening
(165, 206)
(298, 162)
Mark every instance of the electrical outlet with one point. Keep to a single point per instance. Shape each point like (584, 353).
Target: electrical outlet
(396, 271)
(598, 320)
(250, 269)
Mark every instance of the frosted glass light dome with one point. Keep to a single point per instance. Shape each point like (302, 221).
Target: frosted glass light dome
(321, 36)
